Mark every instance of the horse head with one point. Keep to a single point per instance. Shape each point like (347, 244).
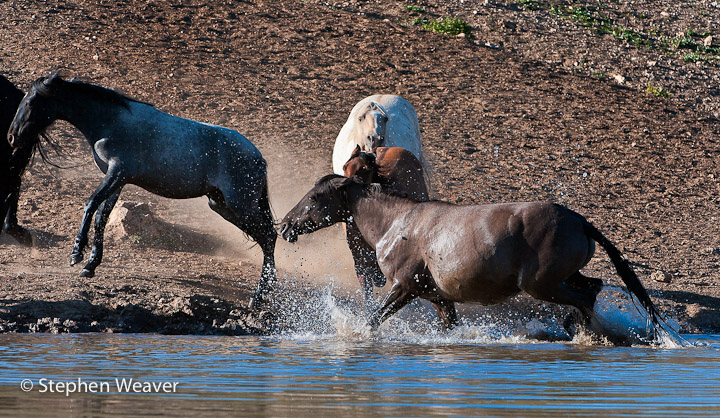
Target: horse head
(370, 127)
(324, 205)
(36, 112)
(361, 164)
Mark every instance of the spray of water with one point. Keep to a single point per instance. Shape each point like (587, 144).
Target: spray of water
(617, 312)
(330, 313)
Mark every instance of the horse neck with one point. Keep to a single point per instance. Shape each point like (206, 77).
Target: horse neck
(91, 115)
(375, 213)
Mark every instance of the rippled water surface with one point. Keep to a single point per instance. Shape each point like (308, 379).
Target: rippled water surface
(311, 375)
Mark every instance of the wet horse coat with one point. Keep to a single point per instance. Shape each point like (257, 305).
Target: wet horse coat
(480, 253)
(134, 143)
(11, 166)
(397, 169)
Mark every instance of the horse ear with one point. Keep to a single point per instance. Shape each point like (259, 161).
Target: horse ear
(378, 107)
(355, 152)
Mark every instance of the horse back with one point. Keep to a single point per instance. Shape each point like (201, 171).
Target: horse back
(177, 157)
(470, 249)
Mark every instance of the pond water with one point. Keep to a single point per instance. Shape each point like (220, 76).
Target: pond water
(391, 374)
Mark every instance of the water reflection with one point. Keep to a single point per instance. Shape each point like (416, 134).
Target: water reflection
(320, 376)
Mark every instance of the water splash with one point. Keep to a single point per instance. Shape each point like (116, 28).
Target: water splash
(333, 313)
(618, 313)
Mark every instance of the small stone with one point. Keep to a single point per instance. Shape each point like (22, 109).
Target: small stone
(707, 42)
(661, 276)
(651, 63)
(620, 79)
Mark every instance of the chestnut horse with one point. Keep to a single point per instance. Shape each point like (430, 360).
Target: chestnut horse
(396, 168)
(477, 253)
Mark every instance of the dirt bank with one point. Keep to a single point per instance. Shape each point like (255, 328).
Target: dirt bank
(527, 108)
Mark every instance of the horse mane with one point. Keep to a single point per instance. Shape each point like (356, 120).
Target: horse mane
(324, 184)
(375, 189)
(46, 87)
(370, 189)
(384, 190)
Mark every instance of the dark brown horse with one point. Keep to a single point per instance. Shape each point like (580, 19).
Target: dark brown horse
(12, 165)
(400, 171)
(480, 253)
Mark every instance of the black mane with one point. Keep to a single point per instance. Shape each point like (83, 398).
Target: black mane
(47, 87)
(325, 185)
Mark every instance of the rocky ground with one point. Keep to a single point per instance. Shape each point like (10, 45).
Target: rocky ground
(609, 108)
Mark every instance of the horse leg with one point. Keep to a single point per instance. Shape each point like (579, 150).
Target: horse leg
(579, 281)
(446, 312)
(101, 217)
(569, 291)
(12, 227)
(257, 222)
(587, 316)
(366, 265)
(110, 184)
(398, 297)
(577, 290)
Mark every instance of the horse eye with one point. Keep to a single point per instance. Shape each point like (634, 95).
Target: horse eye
(361, 118)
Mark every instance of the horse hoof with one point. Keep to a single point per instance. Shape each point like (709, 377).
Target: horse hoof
(87, 273)
(75, 258)
(256, 302)
(374, 324)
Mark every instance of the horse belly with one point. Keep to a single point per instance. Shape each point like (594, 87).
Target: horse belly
(476, 280)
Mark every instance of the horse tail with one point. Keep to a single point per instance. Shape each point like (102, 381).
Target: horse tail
(264, 202)
(624, 270)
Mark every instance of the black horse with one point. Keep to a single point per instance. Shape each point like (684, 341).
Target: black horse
(134, 143)
(11, 166)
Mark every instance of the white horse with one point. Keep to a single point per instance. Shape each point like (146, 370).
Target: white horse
(382, 120)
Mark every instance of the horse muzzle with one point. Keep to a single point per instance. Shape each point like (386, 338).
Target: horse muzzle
(288, 232)
(376, 141)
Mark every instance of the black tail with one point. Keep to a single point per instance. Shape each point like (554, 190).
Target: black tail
(265, 196)
(624, 270)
